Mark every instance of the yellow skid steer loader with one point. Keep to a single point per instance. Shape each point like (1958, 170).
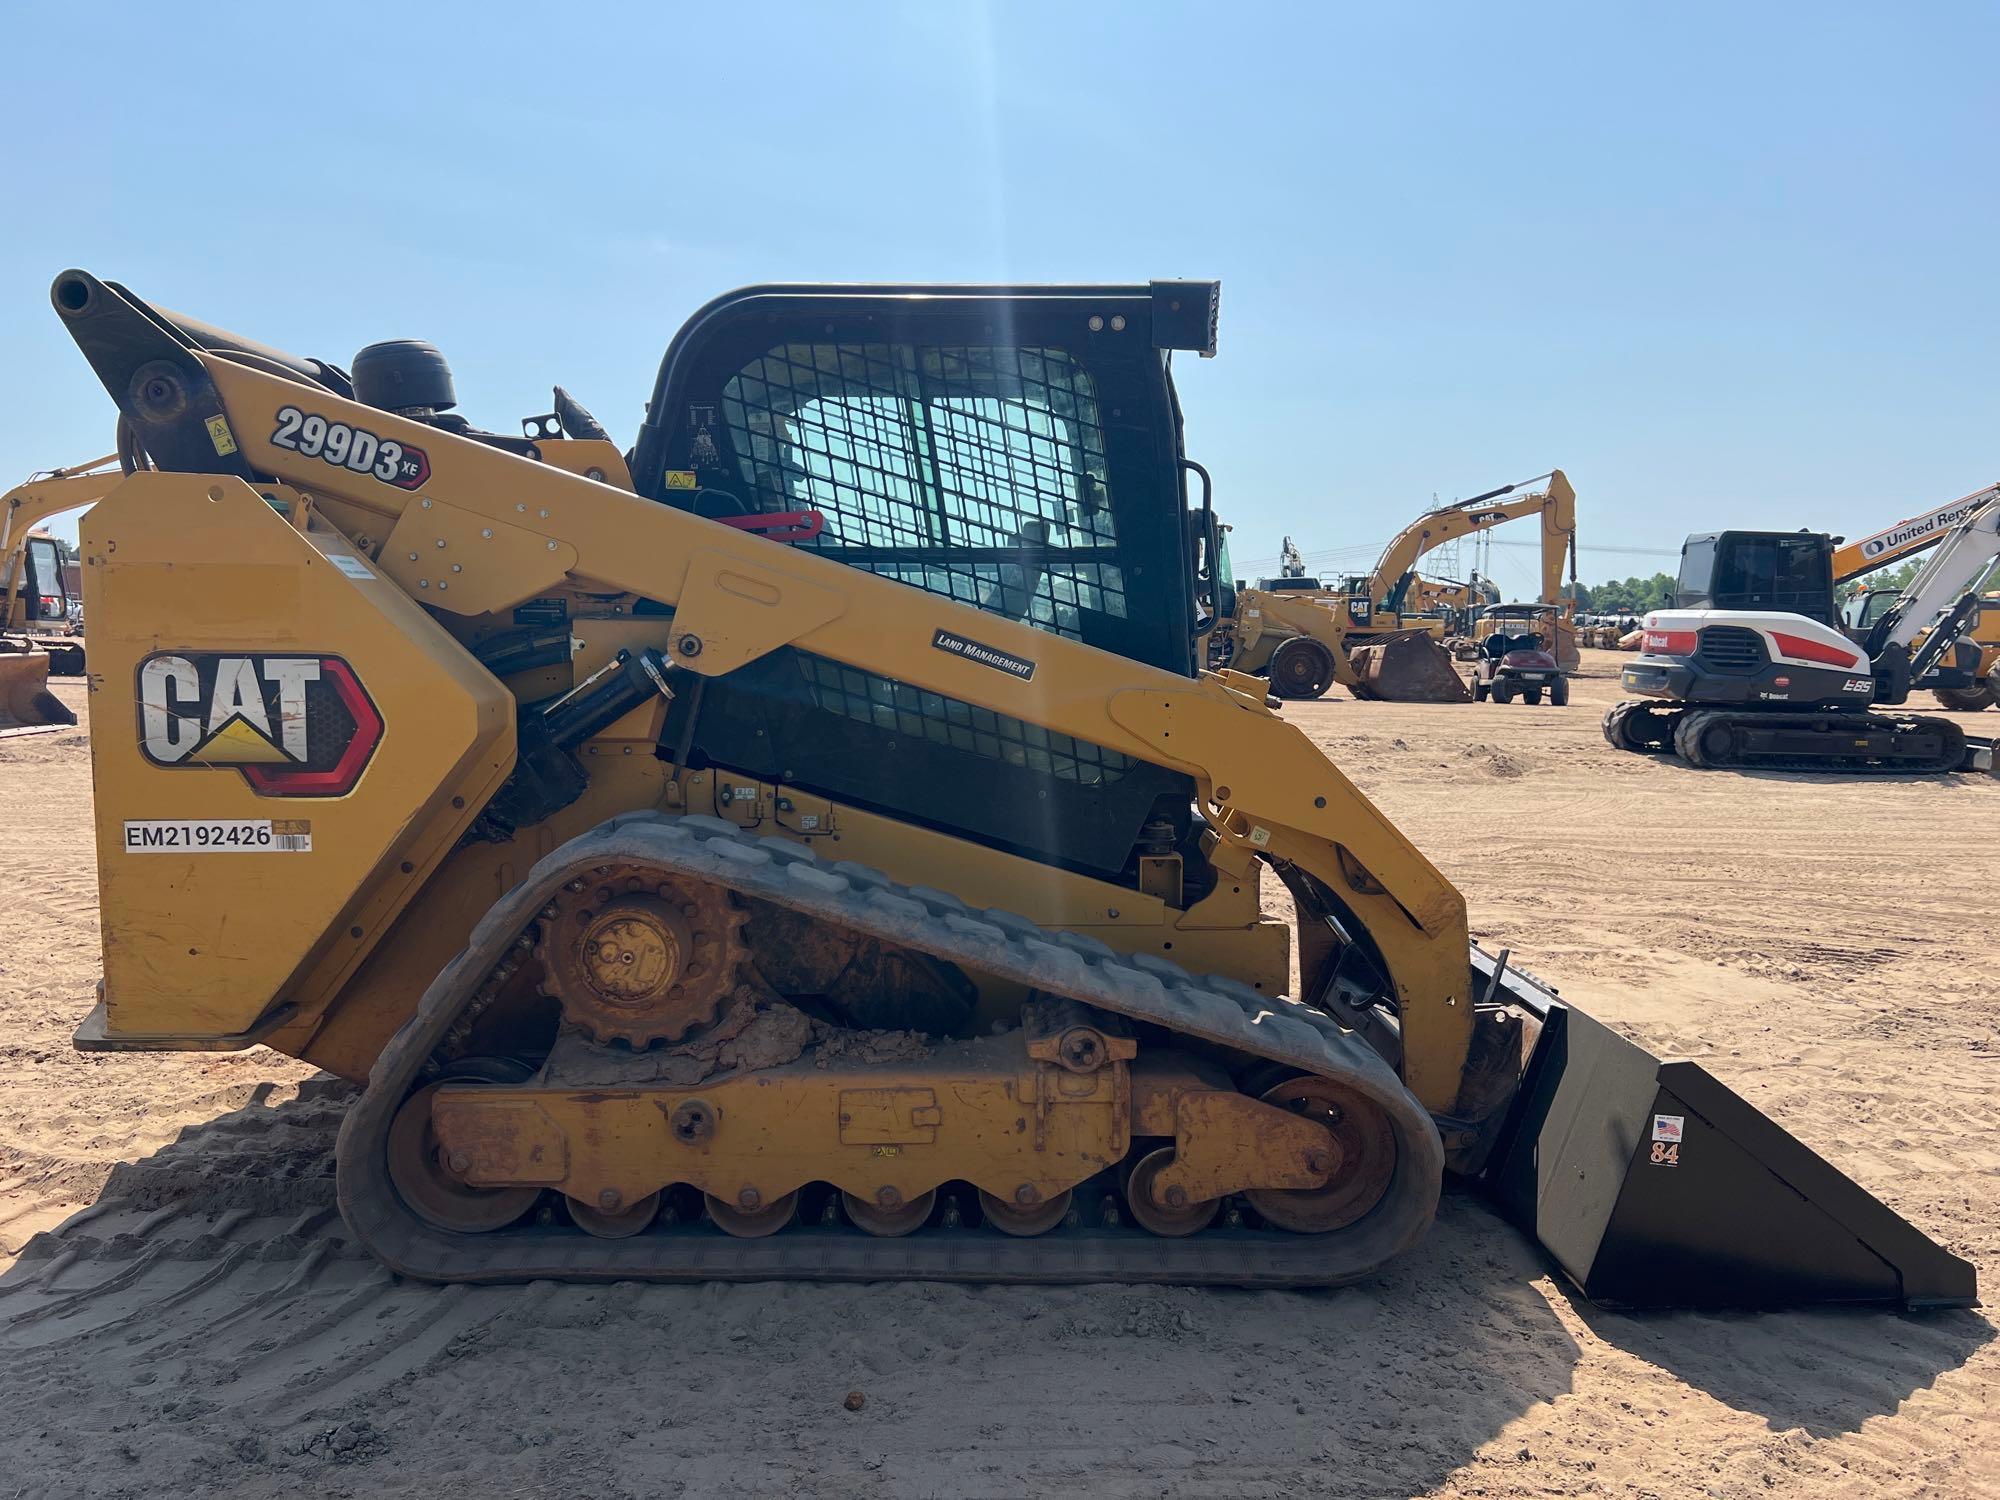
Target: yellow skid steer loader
(806, 846)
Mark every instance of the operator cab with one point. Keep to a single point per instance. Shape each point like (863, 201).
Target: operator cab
(1859, 614)
(1765, 572)
(42, 588)
(1016, 449)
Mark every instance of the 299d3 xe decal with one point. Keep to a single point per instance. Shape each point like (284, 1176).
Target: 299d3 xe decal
(352, 448)
(294, 726)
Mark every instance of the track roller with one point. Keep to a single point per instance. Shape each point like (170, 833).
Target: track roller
(614, 1223)
(754, 1221)
(890, 1219)
(1024, 1219)
(1169, 1220)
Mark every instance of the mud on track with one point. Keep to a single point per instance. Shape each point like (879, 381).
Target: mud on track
(185, 1315)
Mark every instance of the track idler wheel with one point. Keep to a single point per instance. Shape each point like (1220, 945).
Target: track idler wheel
(1364, 1146)
(1024, 1220)
(752, 1220)
(1705, 740)
(886, 1216)
(614, 1223)
(428, 1185)
(1169, 1220)
(1639, 728)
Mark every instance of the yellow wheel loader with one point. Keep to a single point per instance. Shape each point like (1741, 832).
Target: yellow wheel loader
(806, 846)
(1381, 635)
(1299, 636)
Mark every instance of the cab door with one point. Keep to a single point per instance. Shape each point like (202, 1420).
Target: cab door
(47, 598)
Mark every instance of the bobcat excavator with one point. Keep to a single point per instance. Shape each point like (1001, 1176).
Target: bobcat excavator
(34, 600)
(1751, 667)
(806, 846)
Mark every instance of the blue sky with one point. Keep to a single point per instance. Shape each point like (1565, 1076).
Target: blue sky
(1727, 265)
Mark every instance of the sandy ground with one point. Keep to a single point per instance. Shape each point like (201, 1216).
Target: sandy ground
(199, 1325)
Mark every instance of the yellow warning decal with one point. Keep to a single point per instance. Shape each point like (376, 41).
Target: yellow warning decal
(682, 479)
(220, 435)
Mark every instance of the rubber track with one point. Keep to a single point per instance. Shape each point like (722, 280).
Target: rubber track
(1699, 720)
(1220, 1011)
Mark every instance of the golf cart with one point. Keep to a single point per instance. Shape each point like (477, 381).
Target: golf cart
(1516, 656)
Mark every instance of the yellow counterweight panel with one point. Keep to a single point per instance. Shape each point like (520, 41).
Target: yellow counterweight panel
(230, 653)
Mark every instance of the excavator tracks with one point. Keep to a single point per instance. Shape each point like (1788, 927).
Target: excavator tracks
(1067, 966)
(1851, 743)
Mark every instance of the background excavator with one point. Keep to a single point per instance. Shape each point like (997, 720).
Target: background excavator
(1752, 668)
(1375, 633)
(1967, 678)
(766, 855)
(1289, 630)
(35, 599)
(1453, 601)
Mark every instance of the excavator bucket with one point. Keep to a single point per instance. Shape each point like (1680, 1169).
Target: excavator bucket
(25, 699)
(1654, 1185)
(1407, 666)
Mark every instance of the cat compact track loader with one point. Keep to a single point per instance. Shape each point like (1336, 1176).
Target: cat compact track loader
(807, 847)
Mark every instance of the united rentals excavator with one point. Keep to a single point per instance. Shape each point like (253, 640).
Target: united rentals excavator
(34, 599)
(806, 846)
(1751, 667)
(1970, 680)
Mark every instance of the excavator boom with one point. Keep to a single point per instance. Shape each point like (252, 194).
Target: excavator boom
(1912, 534)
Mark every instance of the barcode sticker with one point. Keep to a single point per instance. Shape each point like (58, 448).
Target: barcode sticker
(352, 566)
(218, 836)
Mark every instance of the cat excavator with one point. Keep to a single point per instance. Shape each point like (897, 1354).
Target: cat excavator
(807, 845)
(1288, 630)
(34, 598)
(1377, 634)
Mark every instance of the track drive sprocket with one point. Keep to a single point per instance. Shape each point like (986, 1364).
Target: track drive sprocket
(638, 958)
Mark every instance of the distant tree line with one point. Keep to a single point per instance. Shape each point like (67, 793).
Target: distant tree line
(1631, 596)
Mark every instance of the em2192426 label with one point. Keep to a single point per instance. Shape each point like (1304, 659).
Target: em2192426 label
(355, 449)
(218, 836)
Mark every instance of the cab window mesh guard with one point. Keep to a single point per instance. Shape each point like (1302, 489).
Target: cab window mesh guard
(975, 472)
